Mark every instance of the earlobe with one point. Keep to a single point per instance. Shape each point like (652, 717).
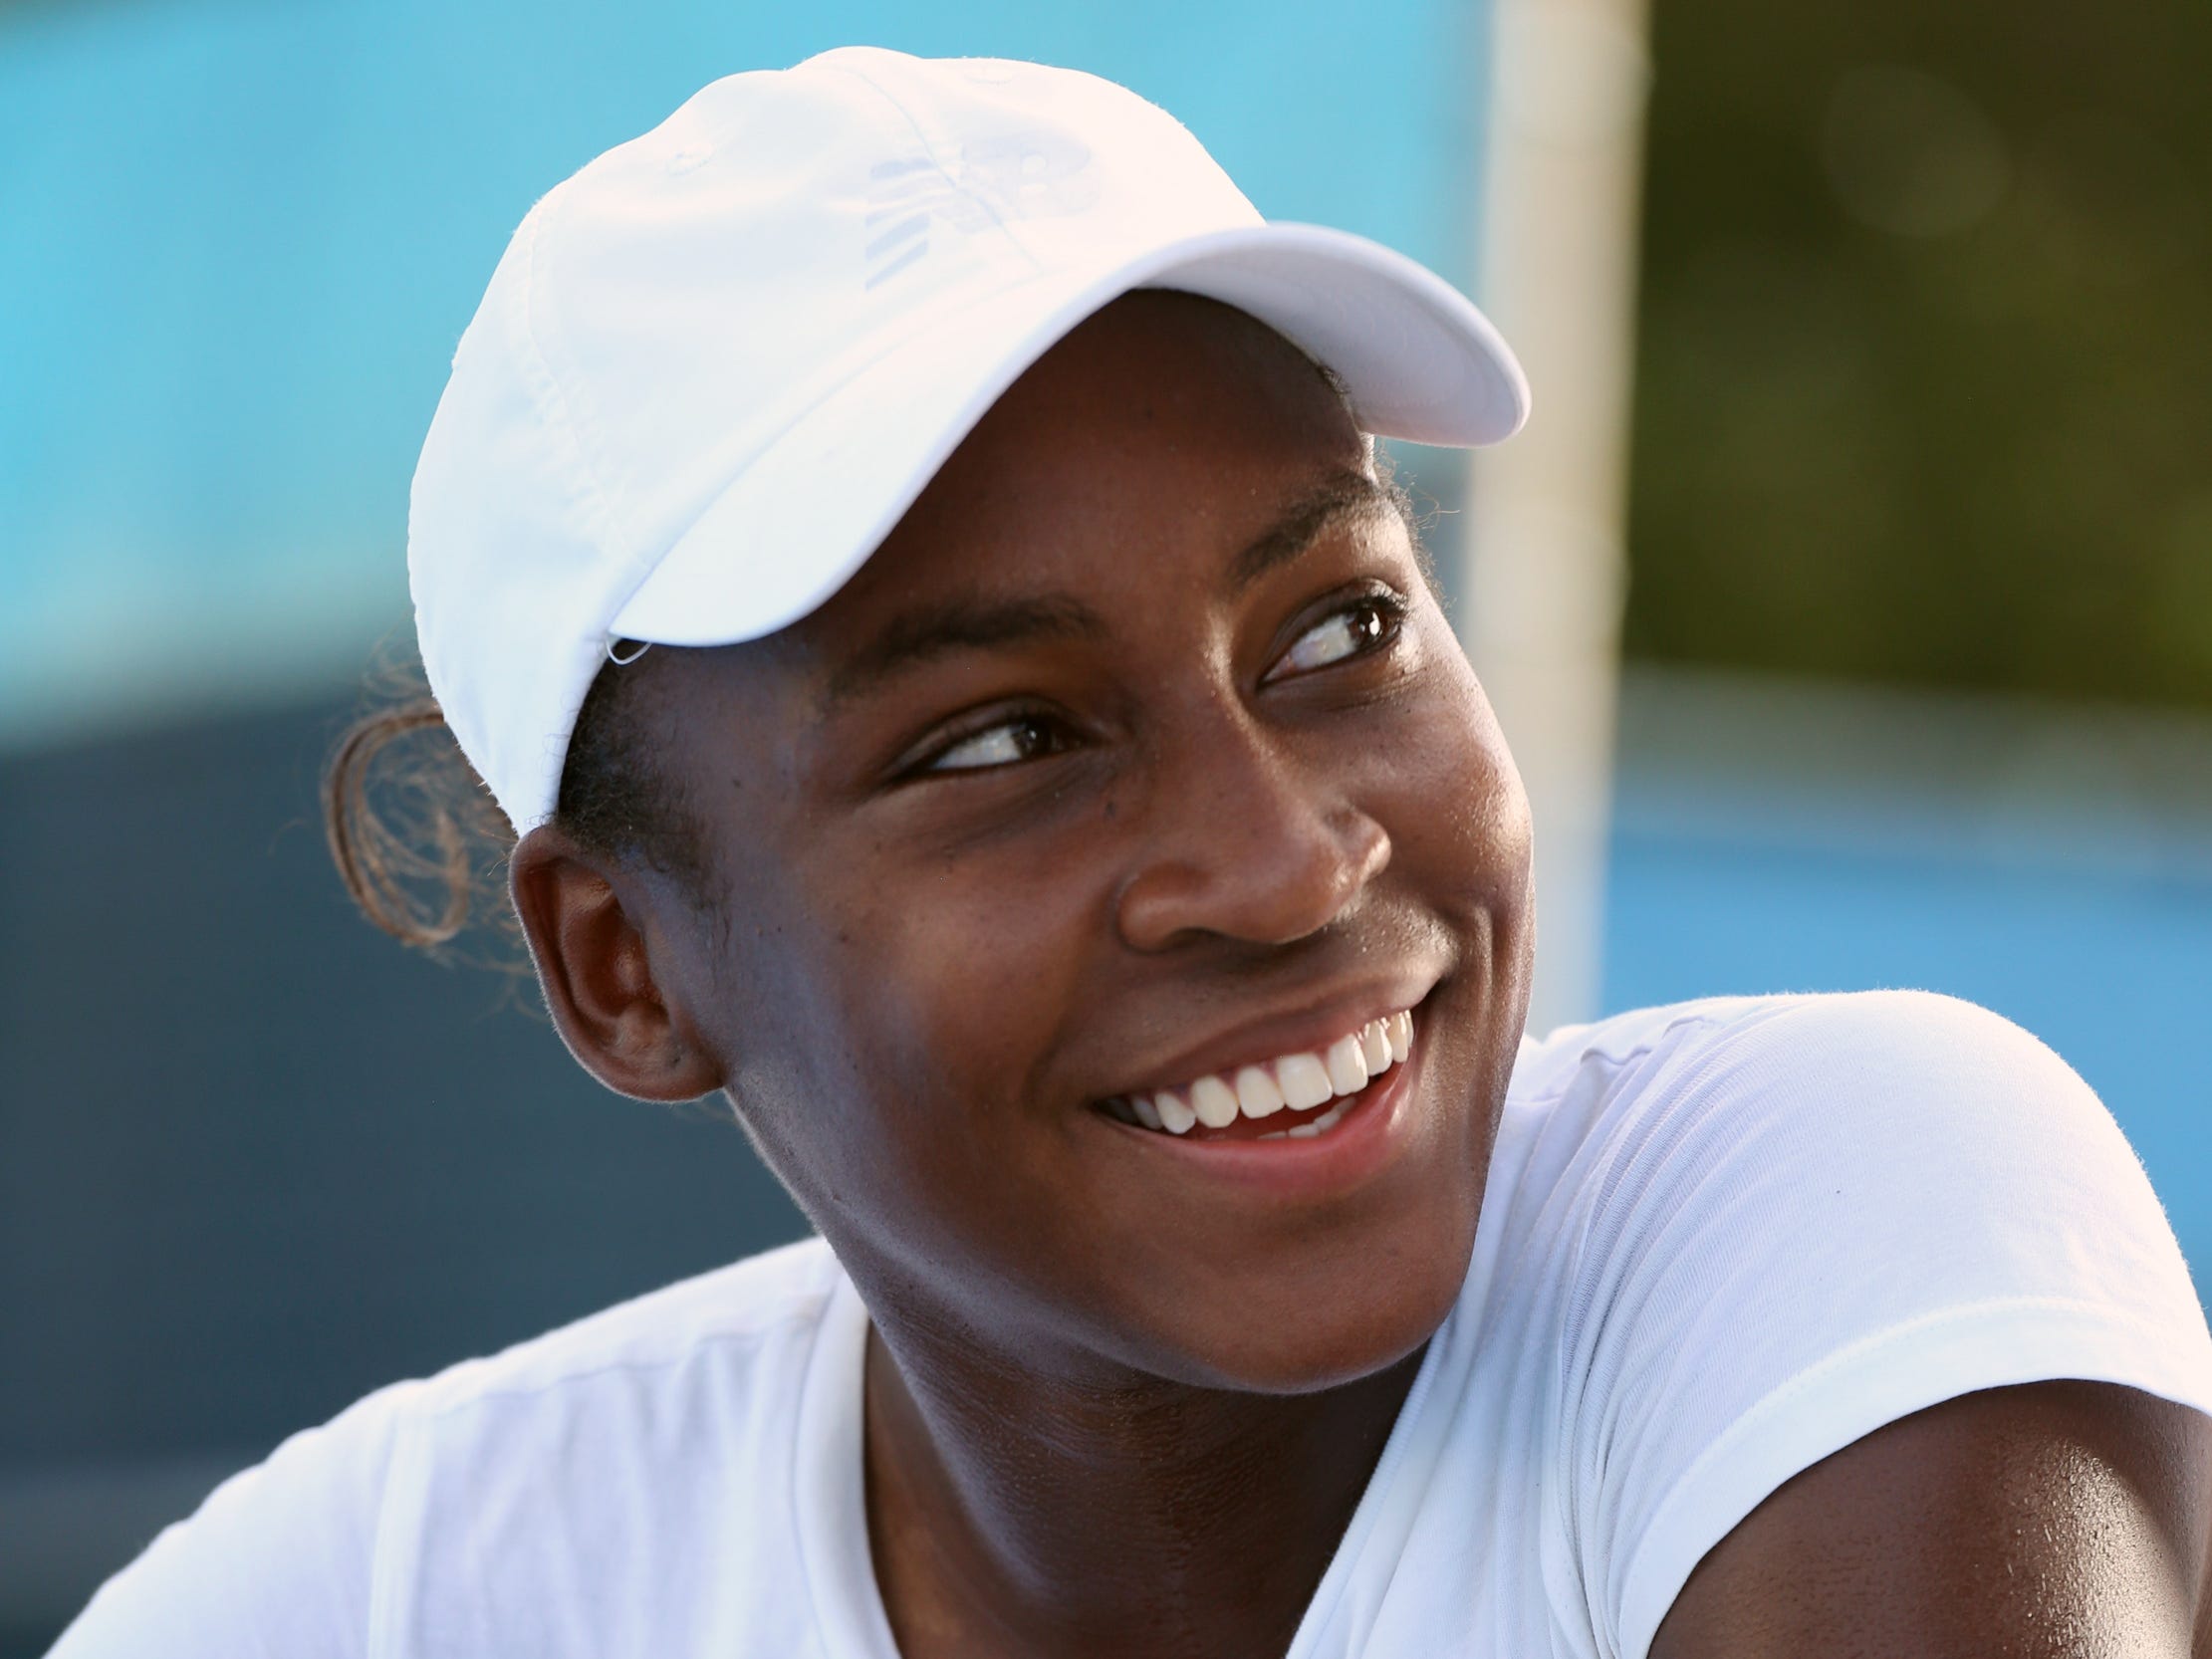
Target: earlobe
(596, 970)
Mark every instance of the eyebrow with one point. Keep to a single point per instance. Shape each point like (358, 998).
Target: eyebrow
(962, 623)
(1342, 495)
(971, 623)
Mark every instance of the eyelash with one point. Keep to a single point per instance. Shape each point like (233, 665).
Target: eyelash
(1391, 610)
(1389, 607)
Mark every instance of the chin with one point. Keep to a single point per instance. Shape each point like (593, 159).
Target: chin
(1359, 1315)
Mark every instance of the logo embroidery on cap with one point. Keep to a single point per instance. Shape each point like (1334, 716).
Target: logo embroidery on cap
(1024, 176)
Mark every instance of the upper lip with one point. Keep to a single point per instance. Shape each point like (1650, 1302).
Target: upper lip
(1310, 1027)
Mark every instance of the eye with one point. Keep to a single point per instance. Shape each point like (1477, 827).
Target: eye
(1364, 625)
(1025, 737)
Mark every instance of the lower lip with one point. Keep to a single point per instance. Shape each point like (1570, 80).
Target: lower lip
(1364, 1140)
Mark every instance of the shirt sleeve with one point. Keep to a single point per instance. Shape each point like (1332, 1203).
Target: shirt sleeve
(278, 1563)
(1819, 1219)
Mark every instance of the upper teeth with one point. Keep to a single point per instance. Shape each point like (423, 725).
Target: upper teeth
(1300, 1081)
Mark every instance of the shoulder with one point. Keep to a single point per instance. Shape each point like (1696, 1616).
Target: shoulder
(300, 1553)
(1747, 1112)
(1797, 1038)
(1772, 1226)
(1896, 1081)
(1836, 1168)
(732, 1315)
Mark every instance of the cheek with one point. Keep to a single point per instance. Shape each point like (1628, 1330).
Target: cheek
(1462, 850)
(1458, 813)
(961, 964)
(909, 1002)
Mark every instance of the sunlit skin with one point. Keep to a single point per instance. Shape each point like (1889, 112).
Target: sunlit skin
(1139, 748)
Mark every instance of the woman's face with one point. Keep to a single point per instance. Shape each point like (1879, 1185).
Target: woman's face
(1140, 753)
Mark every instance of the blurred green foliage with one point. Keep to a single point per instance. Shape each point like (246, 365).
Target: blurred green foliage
(1924, 383)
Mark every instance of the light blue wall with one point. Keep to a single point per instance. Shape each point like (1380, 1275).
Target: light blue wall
(239, 238)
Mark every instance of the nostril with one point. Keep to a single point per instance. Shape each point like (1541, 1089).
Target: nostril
(1252, 885)
(1368, 847)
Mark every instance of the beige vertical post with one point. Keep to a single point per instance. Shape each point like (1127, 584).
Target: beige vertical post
(1540, 600)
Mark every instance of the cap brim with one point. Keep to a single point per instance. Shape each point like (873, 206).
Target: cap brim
(1417, 361)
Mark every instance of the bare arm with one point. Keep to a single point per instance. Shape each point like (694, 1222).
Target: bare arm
(2056, 1518)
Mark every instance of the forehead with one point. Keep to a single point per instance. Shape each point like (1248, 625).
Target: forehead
(1163, 415)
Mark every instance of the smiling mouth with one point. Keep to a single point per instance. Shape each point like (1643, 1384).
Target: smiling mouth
(1297, 1097)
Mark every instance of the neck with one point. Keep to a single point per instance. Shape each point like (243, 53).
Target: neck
(1017, 1515)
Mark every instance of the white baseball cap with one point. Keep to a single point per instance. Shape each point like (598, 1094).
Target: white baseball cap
(715, 367)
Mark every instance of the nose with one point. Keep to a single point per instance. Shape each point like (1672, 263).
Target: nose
(1241, 840)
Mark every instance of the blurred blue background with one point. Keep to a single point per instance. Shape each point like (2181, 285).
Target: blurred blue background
(253, 1160)
(242, 239)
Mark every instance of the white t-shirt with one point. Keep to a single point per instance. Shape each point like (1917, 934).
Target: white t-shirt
(1721, 1241)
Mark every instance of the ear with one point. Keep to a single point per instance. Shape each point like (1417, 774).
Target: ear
(596, 966)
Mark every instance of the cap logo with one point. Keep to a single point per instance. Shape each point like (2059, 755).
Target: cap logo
(1024, 175)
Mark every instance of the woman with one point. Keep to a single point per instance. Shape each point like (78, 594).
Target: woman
(901, 545)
